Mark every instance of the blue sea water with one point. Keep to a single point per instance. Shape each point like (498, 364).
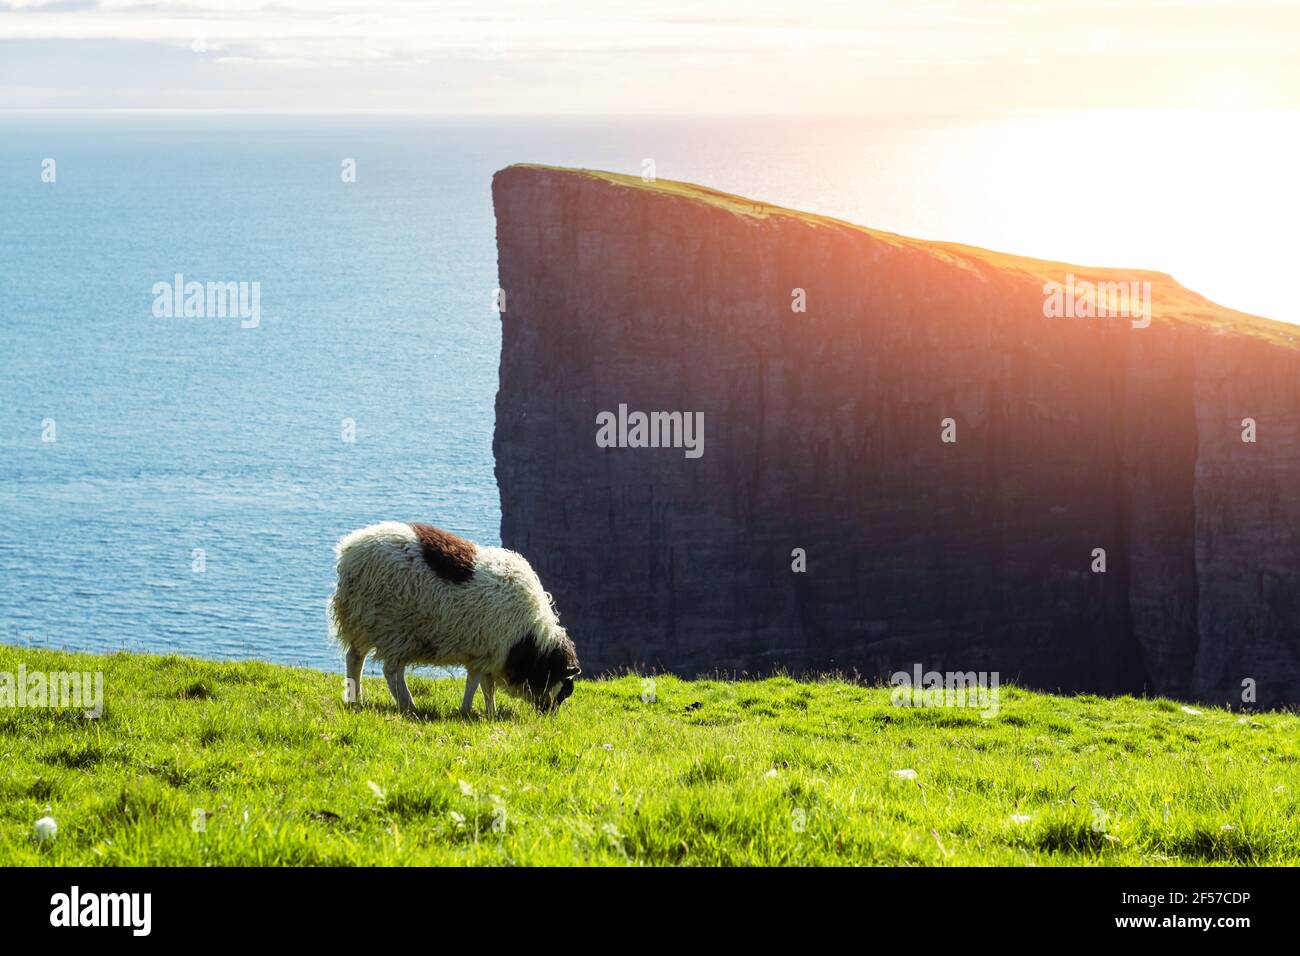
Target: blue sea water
(199, 473)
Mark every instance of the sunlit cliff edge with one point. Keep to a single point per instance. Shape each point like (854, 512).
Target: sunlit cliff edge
(823, 432)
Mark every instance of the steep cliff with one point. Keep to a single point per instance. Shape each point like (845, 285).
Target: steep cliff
(823, 431)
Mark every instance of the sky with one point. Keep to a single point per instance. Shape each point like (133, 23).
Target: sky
(670, 56)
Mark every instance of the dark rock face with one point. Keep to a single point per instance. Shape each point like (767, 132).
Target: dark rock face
(822, 431)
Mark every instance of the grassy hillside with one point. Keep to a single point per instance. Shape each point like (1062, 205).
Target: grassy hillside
(710, 772)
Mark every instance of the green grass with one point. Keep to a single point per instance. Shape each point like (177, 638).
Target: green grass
(711, 772)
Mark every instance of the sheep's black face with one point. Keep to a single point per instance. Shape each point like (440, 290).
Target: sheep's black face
(543, 676)
(555, 695)
(565, 692)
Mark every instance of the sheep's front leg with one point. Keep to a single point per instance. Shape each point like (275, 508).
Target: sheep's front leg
(490, 695)
(471, 685)
(395, 674)
(352, 687)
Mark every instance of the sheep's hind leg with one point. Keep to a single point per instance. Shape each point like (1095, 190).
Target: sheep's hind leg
(395, 674)
(471, 685)
(490, 695)
(352, 686)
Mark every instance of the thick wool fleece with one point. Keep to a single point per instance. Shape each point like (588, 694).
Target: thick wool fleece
(391, 601)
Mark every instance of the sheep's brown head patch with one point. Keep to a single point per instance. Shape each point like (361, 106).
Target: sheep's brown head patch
(542, 675)
(450, 556)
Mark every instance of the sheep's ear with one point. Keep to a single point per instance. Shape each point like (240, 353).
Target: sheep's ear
(573, 670)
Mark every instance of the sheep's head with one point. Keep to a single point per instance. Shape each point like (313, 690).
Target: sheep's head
(542, 675)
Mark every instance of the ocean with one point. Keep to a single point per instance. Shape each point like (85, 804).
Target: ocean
(175, 484)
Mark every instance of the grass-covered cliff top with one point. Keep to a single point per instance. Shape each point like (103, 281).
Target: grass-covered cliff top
(703, 772)
(1171, 301)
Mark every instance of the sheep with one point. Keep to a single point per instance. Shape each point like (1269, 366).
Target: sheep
(415, 594)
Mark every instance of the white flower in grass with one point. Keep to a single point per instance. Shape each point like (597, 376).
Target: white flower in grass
(466, 788)
(375, 788)
(771, 774)
(1020, 819)
(612, 834)
(46, 828)
(904, 774)
(458, 818)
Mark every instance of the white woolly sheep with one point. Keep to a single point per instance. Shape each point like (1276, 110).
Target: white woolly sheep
(414, 594)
